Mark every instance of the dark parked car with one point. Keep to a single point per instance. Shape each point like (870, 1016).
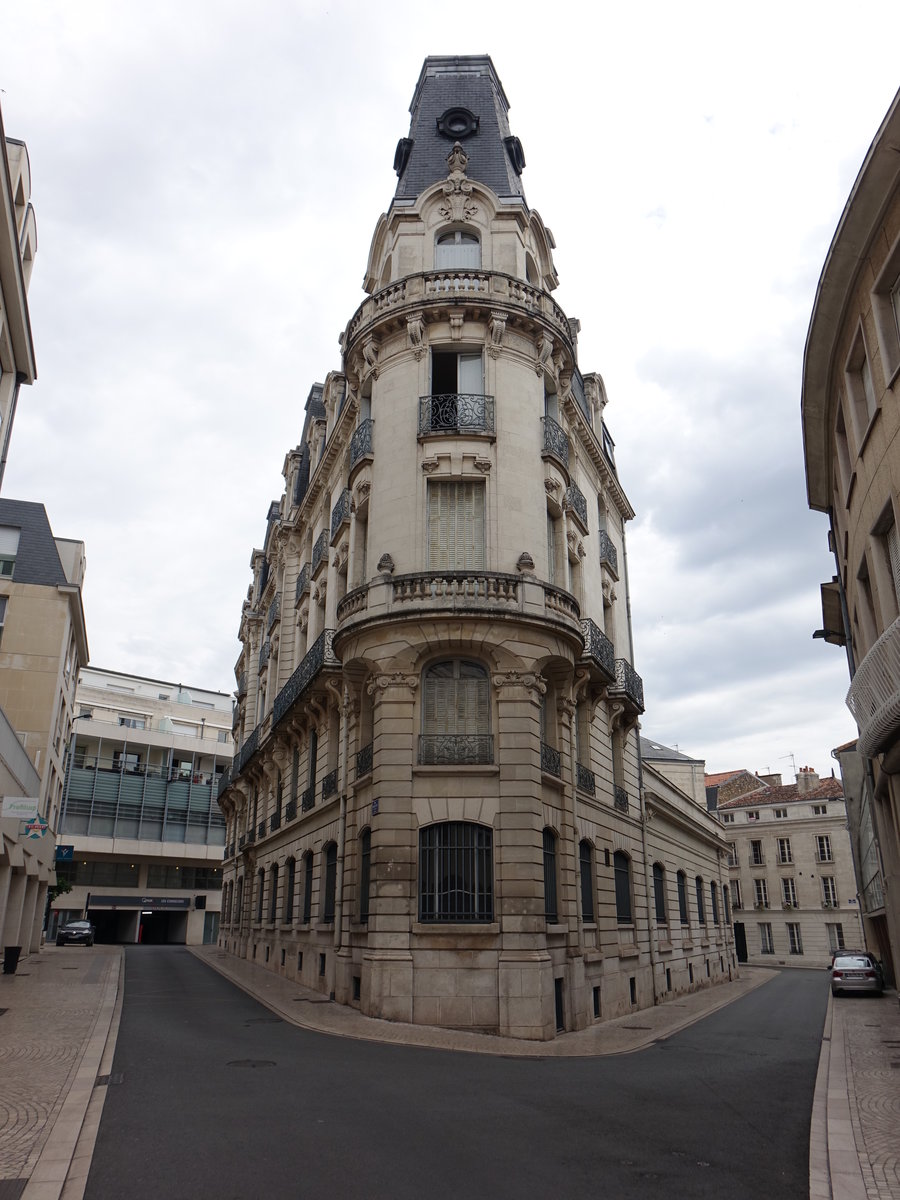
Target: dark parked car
(856, 972)
(75, 933)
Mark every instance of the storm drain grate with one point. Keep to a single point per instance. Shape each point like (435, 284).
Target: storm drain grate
(110, 1079)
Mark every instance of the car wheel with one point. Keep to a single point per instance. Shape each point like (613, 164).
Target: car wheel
(90, 941)
(60, 942)
(835, 991)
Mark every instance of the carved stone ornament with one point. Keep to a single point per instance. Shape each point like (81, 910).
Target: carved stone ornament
(380, 683)
(320, 592)
(430, 464)
(458, 205)
(543, 348)
(580, 550)
(456, 326)
(483, 465)
(497, 330)
(551, 486)
(529, 680)
(386, 564)
(370, 354)
(361, 491)
(609, 592)
(566, 707)
(415, 332)
(524, 562)
(572, 539)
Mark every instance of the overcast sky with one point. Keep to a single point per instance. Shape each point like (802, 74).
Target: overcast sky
(206, 178)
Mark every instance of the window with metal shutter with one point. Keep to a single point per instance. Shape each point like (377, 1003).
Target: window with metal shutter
(455, 526)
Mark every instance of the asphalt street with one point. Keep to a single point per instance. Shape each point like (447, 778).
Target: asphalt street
(214, 1098)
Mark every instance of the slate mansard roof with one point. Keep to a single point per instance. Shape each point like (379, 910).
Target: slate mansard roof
(37, 559)
(469, 83)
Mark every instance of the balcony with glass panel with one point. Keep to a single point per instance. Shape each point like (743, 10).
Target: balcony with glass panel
(456, 413)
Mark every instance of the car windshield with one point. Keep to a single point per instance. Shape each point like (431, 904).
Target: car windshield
(78, 925)
(851, 961)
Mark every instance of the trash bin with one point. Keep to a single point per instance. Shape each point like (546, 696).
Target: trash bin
(11, 959)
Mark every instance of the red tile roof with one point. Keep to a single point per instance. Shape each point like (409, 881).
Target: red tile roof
(713, 780)
(827, 789)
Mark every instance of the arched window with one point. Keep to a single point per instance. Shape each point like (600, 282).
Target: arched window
(622, 877)
(683, 914)
(659, 893)
(551, 909)
(456, 872)
(290, 869)
(329, 883)
(307, 886)
(456, 249)
(273, 892)
(365, 870)
(456, 714)
(701, 910)
(586, 869)
(260, 889)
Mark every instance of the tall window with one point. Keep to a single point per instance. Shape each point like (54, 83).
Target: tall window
(3, 602)
(726, 906)
(823, 848)
(9, 548)
(659, 893)
(456, 714)
(794, 938)
(622, 877)
(273, 892)
(756, 854)
(239, 905)
(456, 250)
(307, 886)
(551, 911)
(785, 854)
(789, 892)
(829, 891)
(683, 915)
(766, 945)
(456, 526)
(736, 894)
(330, 882)
(456, 872)
(835, 937)
(761, 893)
(701, 907)
(714, 903)
(260, 890)
(365, 867)
(289, 875)
(586, 868)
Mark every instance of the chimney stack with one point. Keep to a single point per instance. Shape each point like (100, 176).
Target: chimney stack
(807, 781)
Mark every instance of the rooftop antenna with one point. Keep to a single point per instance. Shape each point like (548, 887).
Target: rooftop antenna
(793, 762)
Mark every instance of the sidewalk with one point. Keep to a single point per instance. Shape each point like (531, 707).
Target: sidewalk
(59, 1019)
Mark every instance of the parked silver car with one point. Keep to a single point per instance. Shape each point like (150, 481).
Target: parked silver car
(856, 972)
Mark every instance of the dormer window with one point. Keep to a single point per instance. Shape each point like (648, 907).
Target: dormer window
(457, 249)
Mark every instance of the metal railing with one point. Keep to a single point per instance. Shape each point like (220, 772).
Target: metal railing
(274, 822)
(364, 760)
(329, 784)
(341, 512)
(320, 655)
(361, 442)
(620, 798)
(874, 695)
(551, 761)
(585, 779)
(455, 749)
(598, 647)
(249, 748)
(274, 611)
(556, 441)
(608, 552)
(574, 499)
(264, 651)
(290, 810)
(456, 412)
(319, 551)
(261, 829)
(629, 684)
(302, 582)
(307, 799)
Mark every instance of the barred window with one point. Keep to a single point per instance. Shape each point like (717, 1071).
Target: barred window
(455, 526)
(586, 864)
(622, 876)
(365, 861)
(456, 714)
(551, 910)
(456, 872)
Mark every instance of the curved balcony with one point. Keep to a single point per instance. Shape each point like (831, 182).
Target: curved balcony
(496, 593)
(489, 289)
(456, 413)
(874, 695)
(556, 443)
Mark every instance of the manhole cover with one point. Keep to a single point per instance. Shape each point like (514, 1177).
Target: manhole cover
(252, 1063)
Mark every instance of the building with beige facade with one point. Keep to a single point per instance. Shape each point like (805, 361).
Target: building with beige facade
(437, 810)
(851, 421)
(43, 644)
(790, 869)
(141, 837)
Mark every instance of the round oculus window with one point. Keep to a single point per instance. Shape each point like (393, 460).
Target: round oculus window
(457, 123)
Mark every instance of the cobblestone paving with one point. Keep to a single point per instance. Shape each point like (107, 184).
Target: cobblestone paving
(872, 1038)
(51, 1006)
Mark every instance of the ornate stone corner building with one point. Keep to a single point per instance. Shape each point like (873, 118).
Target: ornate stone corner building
(435, 810)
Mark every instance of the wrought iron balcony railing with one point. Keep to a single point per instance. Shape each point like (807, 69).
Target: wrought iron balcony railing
(242, 684)
(274, 822)
(261, 829)
(364, 760)
(320, 656)
(620, 798)
(456, 412)
(308, 799)
(302, 582)
(575, 500)
(290, 810)
(598, 648)
(319, 551)
(223, 782)
(629, 684)
(251, 836)
(329, 784)
(609, 556)
(361, 442)
(555, 440)
(264, 651)
(455, 749)
(242, 841)
(249, 748)
(874, 695)
(274, 611)
(340, 514)
(551, 761)
(585, 779)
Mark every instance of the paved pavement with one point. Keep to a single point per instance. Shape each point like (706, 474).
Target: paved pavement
(59, 1018)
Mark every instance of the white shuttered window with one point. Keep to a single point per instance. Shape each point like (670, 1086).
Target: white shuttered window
(455, 526)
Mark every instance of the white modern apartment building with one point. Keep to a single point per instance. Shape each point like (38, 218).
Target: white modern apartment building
(140, 837)
(437, 808)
